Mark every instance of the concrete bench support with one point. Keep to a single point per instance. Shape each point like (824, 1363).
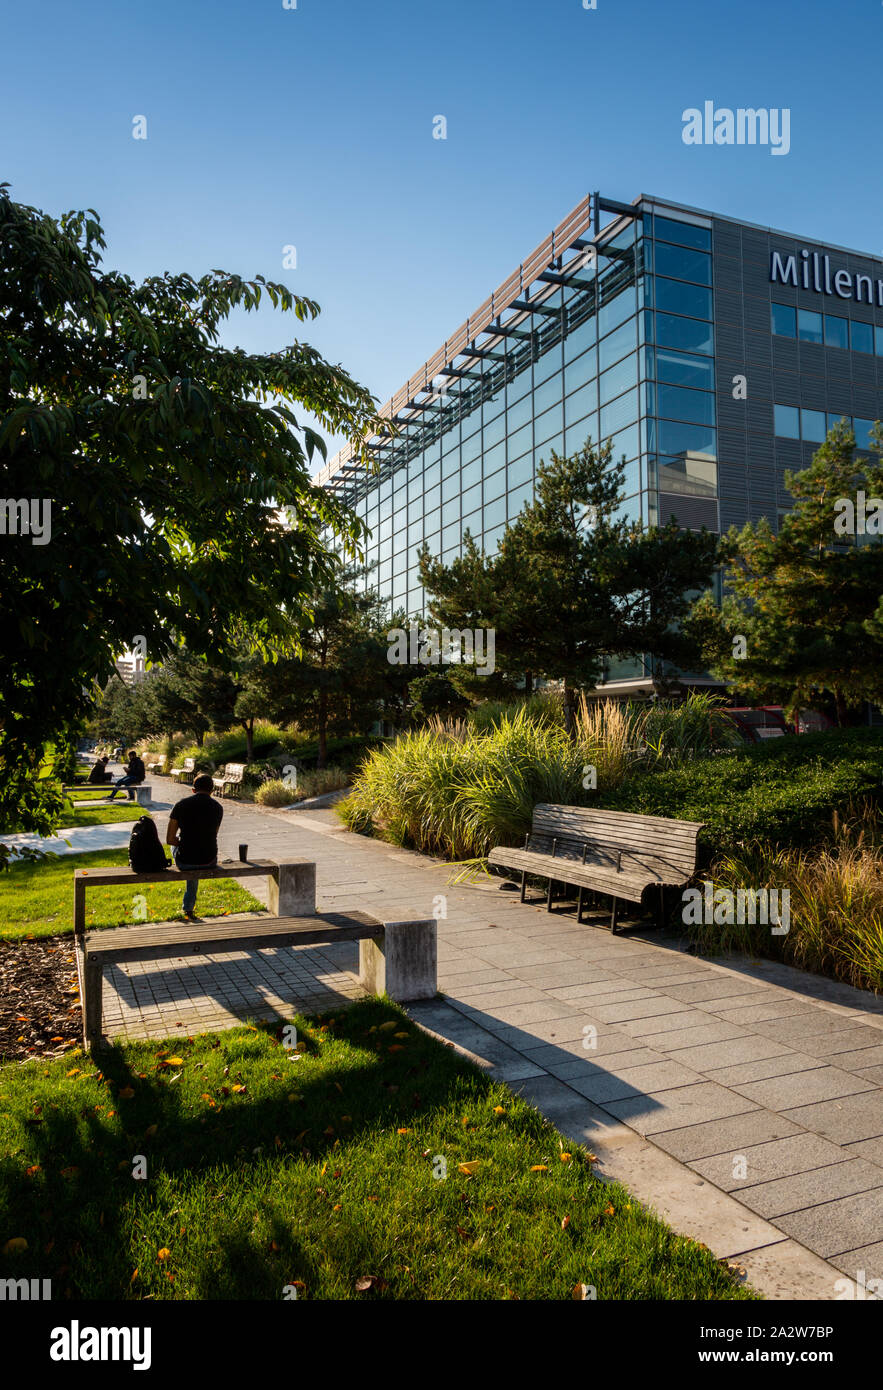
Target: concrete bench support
(292, 890)
(403, 962)
(142, 793)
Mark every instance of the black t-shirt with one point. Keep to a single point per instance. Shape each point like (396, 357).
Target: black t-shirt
(135, 769)
(198, 817)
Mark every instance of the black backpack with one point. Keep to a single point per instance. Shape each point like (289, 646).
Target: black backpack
(146, 854)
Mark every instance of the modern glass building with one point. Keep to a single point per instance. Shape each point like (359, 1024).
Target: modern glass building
(714, 354)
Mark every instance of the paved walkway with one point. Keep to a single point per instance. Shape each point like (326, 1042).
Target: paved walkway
(742, 1100)
(80, 839)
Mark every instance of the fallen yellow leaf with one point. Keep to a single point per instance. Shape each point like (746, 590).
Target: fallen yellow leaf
(164, 1253)
(565, 1158)
(539, 1168)
(174, 1061)
(499, 1110)
(469, 1168)
(15, 1246)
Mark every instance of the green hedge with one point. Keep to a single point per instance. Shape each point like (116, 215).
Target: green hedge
(784, 791)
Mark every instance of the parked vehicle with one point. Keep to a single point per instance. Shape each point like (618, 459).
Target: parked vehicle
(755, 725)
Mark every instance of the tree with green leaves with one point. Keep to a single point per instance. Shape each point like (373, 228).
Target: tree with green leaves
(171, 472)
(800, 622)
(574, 583)
(341, 681)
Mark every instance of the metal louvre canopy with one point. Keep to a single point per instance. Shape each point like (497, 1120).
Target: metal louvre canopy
(544, 271)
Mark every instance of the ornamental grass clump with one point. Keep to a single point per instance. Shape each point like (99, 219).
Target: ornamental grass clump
(835, 903)
(453, 791)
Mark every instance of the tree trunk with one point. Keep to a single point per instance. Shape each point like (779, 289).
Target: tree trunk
(323, 728)
(568, 711)
(248, 726)
(840, 705)
(528, 683)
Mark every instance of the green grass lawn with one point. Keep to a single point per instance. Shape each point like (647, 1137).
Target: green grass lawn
(120, 810)
(97, 793)
(38, 899)
(264, 1172)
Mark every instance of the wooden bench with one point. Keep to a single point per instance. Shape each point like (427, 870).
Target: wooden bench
(231, 777)
(157, 763)
(185, 773)
(615, 853)
(399, 958)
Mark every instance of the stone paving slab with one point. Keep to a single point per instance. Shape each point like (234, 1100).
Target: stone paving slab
(783, 1064)
(787, 1195)
(859, 1264)
(843, 1040)
(833, 1228)
(764, 1163)
(748, 1048)
(802, 1088)
(725, 1136)
(658, 1111)
(843, 1120)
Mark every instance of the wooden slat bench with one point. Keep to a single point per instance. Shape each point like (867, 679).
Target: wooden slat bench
(397, 957)
(185, 773)
(231, 777)
(615, 853)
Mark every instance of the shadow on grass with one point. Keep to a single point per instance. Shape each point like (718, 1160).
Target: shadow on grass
(312, 1178)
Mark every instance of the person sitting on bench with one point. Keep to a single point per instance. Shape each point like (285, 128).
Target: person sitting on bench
(99, 774)
(133, 776)
(193, 831)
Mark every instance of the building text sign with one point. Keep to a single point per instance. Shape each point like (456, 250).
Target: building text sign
(811, 271)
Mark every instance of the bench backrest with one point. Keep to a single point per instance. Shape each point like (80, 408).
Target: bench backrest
(189, 764)
(234, 772)
(666, 848)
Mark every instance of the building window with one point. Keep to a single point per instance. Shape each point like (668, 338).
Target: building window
(682, 264)
(679, 403)
(680, 369)
(809, 326)
(861, 336)
(836, 331)
(687, 334)
(784, 320)
(813, 426)
(675, 297)
(684, 233)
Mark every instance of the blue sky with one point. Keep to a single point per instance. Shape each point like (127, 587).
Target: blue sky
(312, 127)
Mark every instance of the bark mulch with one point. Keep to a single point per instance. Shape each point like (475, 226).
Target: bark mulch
(39, 998)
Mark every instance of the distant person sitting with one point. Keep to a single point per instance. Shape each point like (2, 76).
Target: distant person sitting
(193, 831)
(99, 773)
(133, 775)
